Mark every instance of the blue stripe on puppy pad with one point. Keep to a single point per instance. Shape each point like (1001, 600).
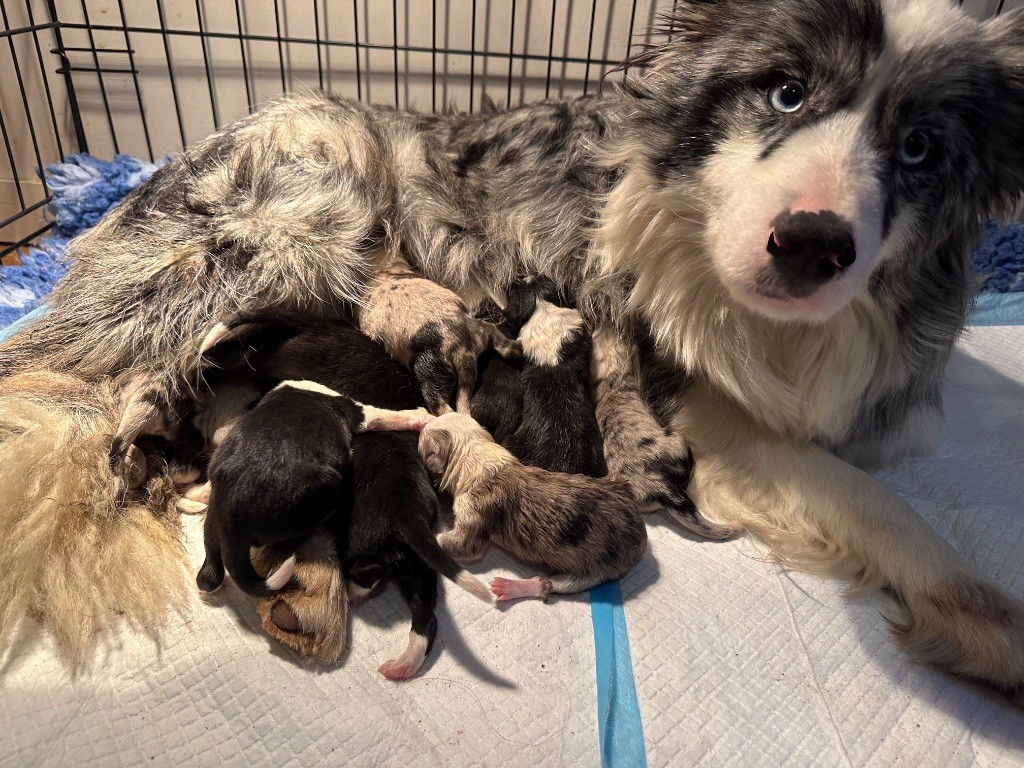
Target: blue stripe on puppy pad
(21, 323)
(618, 712)
(998, 309)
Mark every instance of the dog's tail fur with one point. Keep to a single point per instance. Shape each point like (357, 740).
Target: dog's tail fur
(79, 550)
(421, 539)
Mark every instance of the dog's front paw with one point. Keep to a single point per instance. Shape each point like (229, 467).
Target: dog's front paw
(970, 628)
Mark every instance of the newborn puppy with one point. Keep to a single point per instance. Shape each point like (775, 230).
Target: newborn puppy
(391, 532)
(221, 404)
(583, 530)
(428, 329)
(279, 475)
(558, 430)
(497, 402)
(388, 524)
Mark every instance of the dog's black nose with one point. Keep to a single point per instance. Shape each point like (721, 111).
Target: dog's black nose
(808, 249)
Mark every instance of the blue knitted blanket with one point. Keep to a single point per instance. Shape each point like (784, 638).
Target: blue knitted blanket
(84, 188)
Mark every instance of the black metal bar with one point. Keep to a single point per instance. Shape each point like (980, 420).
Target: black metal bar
(280, 45)
(629, 38)
(999, 8)
(76, 114)
(83, 49)
(394, 39)
(25, 240)
(551, 49)
(349, 44)
(511, 47)
(206, 63)
(24, 211)
(30, 28)
(359, 74)
(472, 57)
(433, 56)
(24, 96)
(135, 80)
(99, 77)
(104, 70)
(245, 58)
(170, 70)
(590, 45)
(10, 159)
(46, 78)
(316, 32)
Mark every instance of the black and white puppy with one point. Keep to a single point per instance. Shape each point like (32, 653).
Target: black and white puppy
(279, 475)
(391, 533)
(558, 431)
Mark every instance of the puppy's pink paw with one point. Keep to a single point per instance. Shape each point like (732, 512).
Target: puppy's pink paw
(409, 663)
(515, 589)
(398, 670)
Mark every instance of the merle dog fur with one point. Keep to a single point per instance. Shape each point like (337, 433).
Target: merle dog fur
(632, 202)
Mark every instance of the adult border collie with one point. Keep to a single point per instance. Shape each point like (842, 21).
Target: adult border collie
(781, 204)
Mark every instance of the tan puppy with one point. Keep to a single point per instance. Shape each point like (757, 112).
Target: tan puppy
(583, 530)
(428, 329)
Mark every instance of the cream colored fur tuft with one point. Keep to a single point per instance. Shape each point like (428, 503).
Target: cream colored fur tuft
(77, 552)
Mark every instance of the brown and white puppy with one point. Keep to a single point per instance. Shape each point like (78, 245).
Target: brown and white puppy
(428, 329)
(583, 530)
(279, 475)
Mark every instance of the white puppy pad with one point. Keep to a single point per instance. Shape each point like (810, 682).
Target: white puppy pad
(739, 662)
(501, 687)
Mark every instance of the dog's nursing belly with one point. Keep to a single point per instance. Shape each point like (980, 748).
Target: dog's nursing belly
(866, 179)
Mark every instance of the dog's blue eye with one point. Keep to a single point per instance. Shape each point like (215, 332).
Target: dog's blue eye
(915, 148)
(787, 96)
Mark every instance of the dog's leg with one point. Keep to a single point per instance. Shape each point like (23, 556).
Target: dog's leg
(655, 461)
(465, 368)
(467, 540)
(310, 615)
(490, 335)
(419, 587)
(211, 574)
(384, 420)
(437, 380)
(819, 513)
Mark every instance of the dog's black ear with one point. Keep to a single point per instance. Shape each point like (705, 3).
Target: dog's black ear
(1005, 112)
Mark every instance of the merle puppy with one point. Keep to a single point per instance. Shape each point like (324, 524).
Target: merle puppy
(427, 328)
(583, 530)
(279, 474)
